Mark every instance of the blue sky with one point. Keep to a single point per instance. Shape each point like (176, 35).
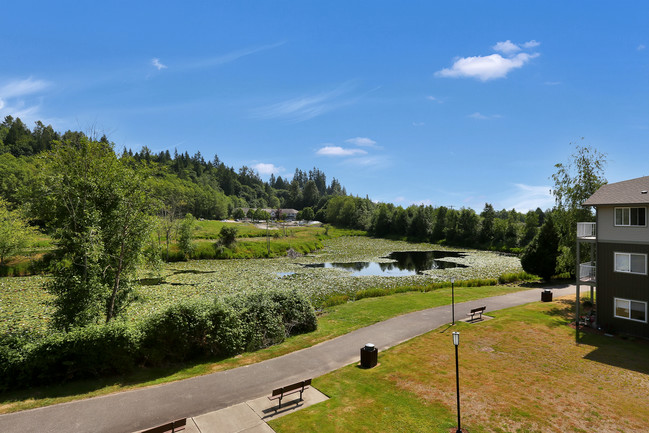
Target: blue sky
(442, 103)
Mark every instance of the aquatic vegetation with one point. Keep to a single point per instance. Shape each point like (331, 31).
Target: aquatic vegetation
(23, 302)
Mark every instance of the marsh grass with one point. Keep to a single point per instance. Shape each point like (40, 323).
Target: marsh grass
(520, 372)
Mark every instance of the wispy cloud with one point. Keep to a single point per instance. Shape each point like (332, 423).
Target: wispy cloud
(528, 197)
(307, 107)
(20, 98)
(433, 98)
(369, 161)
(229, 57)
(552, 83)
(640, 47)
(361, 141)
(416, 124)
(156, 63)
(480, 116)
(491, 67)
(339, 151)
(266, 169)
(18, 88)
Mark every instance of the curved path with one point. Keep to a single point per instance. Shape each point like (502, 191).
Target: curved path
(129, 411)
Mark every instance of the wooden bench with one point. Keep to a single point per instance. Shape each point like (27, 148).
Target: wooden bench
(170, 427)
(475, 311)
(279, 393)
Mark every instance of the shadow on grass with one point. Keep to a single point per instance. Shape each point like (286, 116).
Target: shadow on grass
(628, 353)
(86, 388)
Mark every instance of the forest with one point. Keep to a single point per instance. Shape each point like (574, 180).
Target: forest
(210, 189)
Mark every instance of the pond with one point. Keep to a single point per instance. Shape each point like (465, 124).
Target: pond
(405, 263)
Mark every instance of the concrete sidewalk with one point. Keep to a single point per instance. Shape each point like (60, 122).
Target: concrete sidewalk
(130, 411)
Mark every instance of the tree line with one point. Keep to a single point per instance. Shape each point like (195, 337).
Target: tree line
(101, 208)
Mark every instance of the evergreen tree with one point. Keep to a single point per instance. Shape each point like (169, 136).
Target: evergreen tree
(540, 256)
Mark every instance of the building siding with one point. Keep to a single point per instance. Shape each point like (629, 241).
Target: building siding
(607, 231)
(611, 285)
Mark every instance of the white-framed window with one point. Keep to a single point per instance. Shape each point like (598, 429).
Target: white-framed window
(631, 310)
(631, 263)
(631, 216)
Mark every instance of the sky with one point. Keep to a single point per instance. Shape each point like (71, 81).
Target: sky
(418, 102)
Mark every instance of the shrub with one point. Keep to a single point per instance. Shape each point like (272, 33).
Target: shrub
(227, 326)
(176, 334)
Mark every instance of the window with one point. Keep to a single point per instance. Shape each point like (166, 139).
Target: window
(631, 216)
(632, 310)
(631, 263)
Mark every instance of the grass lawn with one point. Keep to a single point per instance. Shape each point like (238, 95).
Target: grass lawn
(520, 372)
(335, 321)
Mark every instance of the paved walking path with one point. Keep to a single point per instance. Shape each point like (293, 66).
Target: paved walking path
(138, 409)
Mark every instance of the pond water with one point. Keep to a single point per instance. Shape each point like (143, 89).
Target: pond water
(405, 263)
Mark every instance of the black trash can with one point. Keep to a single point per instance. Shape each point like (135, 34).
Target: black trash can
(369, 356)
(546, 296)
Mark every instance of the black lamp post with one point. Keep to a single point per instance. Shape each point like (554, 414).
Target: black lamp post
(453, 298)
(456, 342)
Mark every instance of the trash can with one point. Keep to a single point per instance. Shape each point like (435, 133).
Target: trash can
(369, 356)
(546, 296)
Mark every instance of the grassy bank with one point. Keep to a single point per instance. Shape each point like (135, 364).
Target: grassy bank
(520, 372)
(333, 322)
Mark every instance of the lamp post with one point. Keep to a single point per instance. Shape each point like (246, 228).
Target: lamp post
(456, 342)
(453, 300)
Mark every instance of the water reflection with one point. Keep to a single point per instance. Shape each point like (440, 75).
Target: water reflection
(405, 263)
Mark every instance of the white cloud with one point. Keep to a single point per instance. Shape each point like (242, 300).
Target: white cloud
(531, 44)
(485, 68)
(156, 62)
(361, 141)
(506, 47)
(339, 151)
(494, 66)
(552, 83)
(418, 124)
(267, 169)
(641, 47)
(480, 116)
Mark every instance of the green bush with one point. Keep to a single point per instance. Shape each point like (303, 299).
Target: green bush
(190, 330)
(177, 334)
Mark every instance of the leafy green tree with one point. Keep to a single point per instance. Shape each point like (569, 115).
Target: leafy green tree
(228, 236)
(186, 235)
(238, 214)
(307, 214)
(99, 217)
(382, 221)
(15, 232)
(531, 227)
(540, 256)
(468, 226)
(575, 182)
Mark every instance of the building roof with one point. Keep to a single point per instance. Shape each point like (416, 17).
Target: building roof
(633, 191)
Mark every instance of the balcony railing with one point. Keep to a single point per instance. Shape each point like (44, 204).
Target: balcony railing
(586, 230)
(587, 272)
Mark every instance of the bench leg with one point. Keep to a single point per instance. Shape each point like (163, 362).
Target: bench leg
(301, 391)
(280, 401)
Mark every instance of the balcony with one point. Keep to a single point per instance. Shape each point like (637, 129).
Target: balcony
(587, 272)
(586, 231)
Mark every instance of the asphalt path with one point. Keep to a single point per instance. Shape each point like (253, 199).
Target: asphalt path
(129, 411)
